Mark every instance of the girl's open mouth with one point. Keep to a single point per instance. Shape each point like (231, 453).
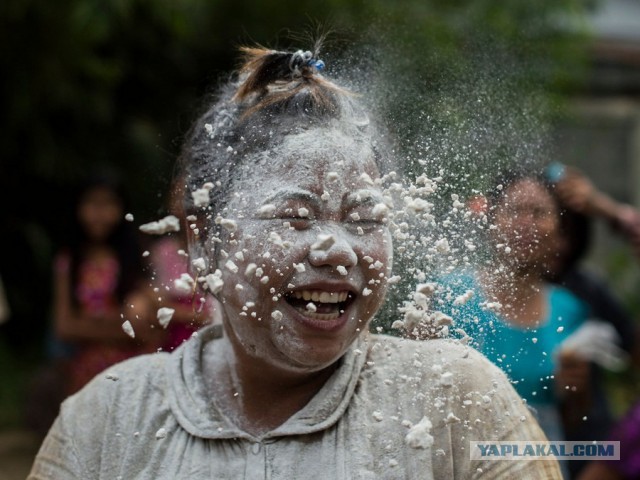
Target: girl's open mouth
(320, 304)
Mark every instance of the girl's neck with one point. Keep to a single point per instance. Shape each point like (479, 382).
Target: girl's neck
(256, 396)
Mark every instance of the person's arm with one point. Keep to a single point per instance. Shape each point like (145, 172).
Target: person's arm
(578, 193)
(496, 413)
(572, 380)
(57, 457)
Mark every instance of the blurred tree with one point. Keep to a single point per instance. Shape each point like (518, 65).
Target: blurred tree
(92, 83)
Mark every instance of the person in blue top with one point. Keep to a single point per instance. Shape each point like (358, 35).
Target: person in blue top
(514, 315)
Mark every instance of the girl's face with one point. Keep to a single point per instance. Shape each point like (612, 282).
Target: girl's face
(99, 212)
(306, 268)
(527, 222)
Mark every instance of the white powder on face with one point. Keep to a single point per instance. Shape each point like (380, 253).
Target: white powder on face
(324, 242)
(342, 270)
(380, 210)
(266, 211)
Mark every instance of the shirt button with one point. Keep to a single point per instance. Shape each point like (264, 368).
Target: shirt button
(255, 448)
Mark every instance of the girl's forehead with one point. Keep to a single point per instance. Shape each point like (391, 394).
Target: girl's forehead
(312, 154)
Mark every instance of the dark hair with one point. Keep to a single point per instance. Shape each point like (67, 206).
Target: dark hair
(123, 239)
(509, 177)
(273, 95)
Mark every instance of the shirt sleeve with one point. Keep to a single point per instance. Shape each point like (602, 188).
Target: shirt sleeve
(57, 457)
(495, 413)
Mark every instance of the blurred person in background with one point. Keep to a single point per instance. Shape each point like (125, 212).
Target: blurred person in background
(98, 284)
(516, 316)
(169, 261)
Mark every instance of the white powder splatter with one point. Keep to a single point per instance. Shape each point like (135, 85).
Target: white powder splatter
(228, 224)
(380, 210)
(185, 283)
(129, 217)
(231, 266)
(214, 281)
(199, 263)
(165, 314)
(128, 329)
(299, 267)
(464, 298)
(442, 246)
(419, 435)
(170, 223)
(366, 292)
(451, 418)
(200, 197)
(161, 433)
(276, 315)
(342, 270)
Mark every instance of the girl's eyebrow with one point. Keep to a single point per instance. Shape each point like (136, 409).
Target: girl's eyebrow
(284, 195)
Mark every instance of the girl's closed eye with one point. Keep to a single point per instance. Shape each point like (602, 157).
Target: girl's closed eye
(299, 215)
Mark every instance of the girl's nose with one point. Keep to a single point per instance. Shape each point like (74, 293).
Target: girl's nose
(333, 251)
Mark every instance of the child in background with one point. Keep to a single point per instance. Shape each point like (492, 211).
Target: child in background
(98, 280)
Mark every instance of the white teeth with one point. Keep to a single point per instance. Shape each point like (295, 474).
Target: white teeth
(321, 296)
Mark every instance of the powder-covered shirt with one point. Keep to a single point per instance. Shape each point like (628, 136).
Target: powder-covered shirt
(393, 408)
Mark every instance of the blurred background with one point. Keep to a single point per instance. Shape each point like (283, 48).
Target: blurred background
(94, 85)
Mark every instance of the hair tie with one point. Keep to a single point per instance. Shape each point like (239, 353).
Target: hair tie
(304, 59)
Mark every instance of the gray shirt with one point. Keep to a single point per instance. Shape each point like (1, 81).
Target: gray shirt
(393, 409)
